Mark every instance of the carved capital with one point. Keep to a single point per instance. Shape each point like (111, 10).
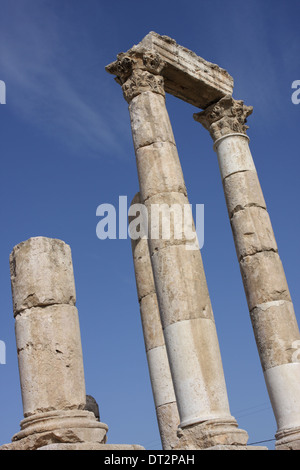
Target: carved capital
(227, 116)
(122, 68)
(141, 81)
(138, 71)
(153, 62)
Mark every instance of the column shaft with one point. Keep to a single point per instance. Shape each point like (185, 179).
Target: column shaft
(158, 363)
(184, 303)
(270, 305)
(49, 346)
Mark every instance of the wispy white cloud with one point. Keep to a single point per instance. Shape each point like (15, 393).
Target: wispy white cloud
(46, 67)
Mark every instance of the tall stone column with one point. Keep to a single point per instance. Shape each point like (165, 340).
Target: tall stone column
(270, 305)
(184, 303)
(158, 363)
(49, 347)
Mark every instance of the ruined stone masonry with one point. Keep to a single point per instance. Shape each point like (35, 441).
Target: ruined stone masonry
(271, 309)
(155, 66)
(181, 343)
(57, 411)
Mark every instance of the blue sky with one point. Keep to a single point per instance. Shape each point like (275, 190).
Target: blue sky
(66, 148)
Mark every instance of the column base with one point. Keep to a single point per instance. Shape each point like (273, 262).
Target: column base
(288, 439)
(212, 433)
(71, 426)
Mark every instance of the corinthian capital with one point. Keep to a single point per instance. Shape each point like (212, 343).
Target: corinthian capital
(141, 81)
(227, 116)
(138, 71)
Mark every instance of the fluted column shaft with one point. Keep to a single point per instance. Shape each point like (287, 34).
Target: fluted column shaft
(270, 305)
(183, 298)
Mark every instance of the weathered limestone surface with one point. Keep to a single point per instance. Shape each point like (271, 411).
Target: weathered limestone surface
(186, 75)
(264, 278)
(72, 426)
(268, 319)
(184, 304)
(145, 129)
(200, 386)
(225, 447)
(158, 363)
(168, 416)
(50, 359)
(41, 274)
(242, 190)
(44, 443)
(56, 409)
(170, 221)
(49, 347)
(272, 314)
(187, 271)
(252, 231)
(156, 176)
(91, 446)
(47, 326)
(211, 434)
(226, 118)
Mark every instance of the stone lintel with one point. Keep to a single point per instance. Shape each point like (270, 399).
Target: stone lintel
(186, 75)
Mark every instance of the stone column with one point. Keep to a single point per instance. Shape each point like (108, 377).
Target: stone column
(158, 363)
(184, 303)
(49, 347)
(270, 305)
